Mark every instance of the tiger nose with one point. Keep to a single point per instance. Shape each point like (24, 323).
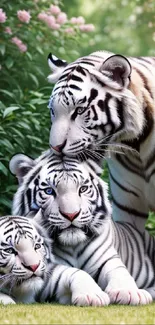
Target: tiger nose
(70, 216)
(31, 267)
(59, 147)
(34, 267)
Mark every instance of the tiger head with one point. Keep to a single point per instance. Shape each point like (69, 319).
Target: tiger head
(23, 256)
(92, 104)
(70, 198)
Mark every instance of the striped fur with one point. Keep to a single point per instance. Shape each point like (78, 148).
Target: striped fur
(103, 105)
(77, 215)
(28, 274)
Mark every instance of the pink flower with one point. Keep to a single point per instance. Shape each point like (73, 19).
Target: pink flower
(62, 18)
(80, 20)
(69, 30)
(3, 16)
(42, 16)
(55, 26)
(55, 10)
(8, 30)
(23, 16)
(16, 40)
(73, 20)
(87, 28)
(22, 47)
(50, 20)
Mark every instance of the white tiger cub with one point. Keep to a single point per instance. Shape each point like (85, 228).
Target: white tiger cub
(73, 206)
(28, 274)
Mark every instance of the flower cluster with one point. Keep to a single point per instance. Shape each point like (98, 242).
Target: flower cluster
(3, 16)
(54, 18)
(23, 16)
(22, 47)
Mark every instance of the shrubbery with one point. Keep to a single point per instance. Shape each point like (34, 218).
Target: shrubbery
(30, 30)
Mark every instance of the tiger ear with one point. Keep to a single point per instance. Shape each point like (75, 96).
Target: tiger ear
(57, 66)
(118, 69)
(20, 165)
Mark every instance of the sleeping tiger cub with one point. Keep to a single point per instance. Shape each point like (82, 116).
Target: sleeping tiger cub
(28, 274)
(71, 202)
(104, 105)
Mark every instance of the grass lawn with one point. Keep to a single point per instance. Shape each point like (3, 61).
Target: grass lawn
(58, 314)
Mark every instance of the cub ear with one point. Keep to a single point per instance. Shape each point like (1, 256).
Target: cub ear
(20, 165)
(118, 69)
(57, 66)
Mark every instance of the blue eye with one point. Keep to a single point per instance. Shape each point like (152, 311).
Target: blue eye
(48, 191)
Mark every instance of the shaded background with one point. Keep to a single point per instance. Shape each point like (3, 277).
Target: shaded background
(121, 26)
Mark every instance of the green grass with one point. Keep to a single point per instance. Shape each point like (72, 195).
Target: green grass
(58, 314)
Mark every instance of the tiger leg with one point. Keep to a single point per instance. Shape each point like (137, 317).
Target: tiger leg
(121, 286)
(73, 286)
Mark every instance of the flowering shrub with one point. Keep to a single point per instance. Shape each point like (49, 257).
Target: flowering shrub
(30, 30)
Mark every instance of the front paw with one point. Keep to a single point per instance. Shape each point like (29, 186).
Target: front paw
(91, 299)
(130, 297)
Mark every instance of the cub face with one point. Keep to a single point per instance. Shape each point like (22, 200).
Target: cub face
(71, 197)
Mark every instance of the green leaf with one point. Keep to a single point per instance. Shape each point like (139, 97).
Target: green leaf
(3, 169)
(36, 93)
(34, 138)
(39, 50)
(29, 56)
(34, 79)
(7, 93)
(2, 49)
(9, 110)
(7, 144)
(24, 125)
(9, 62)
(6, 202)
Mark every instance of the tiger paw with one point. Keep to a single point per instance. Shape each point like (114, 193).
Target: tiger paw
(5, 299)
(130, 297)
(91, 299)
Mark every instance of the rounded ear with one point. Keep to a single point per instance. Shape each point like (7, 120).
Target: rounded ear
(20, 165)
(57, 66)
(118, 69)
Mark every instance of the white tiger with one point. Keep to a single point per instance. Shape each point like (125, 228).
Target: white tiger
(28, 273)
(105, 102)
(73, 206)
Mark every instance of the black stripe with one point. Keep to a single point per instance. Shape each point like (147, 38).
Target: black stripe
(76, 78)
(145, 81)
(121, 186)
(129, 210)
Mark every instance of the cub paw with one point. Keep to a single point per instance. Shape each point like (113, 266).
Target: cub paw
(130, 297)
(5, 299)
(91, 299)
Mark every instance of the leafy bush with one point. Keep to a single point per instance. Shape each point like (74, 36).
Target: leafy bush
(30, 30)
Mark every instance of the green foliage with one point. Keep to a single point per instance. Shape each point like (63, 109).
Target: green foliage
(150, 224)
(24, 92)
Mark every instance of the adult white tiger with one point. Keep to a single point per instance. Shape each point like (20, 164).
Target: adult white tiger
(103, 99)
(28, 274)
(73, 206)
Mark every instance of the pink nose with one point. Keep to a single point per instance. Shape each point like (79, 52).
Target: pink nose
(70, 216)
(59, 147)
(33, 267)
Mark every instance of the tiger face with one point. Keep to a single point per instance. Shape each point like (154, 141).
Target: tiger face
(23, 257)
(92, 105)
(71, 201)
